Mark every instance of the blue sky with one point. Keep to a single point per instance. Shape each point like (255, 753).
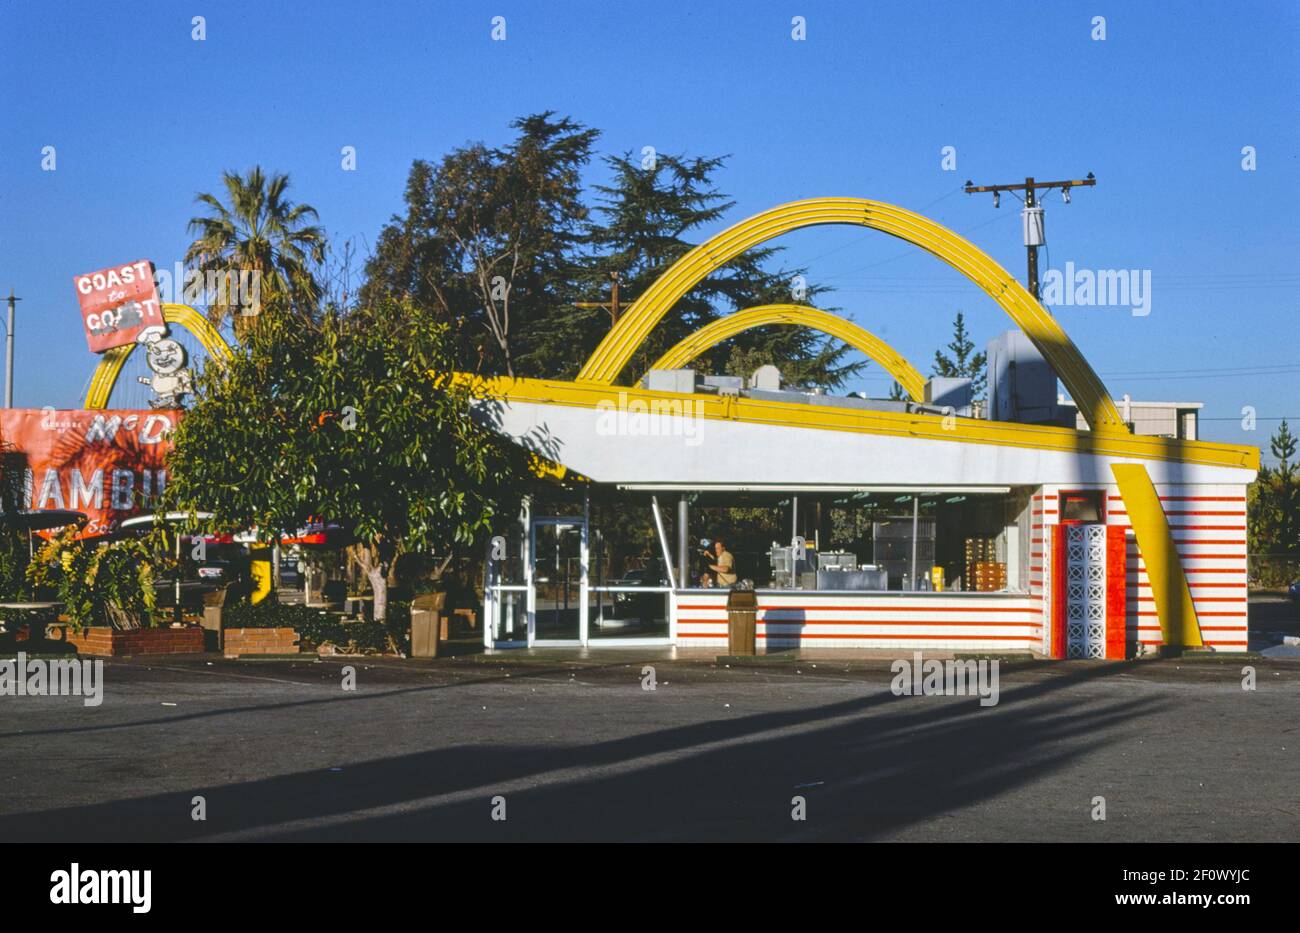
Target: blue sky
(142, 117)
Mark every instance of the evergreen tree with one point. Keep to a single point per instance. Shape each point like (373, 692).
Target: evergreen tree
(963, 362)
(488, 243)
(499, 244)
(1274, 503)
(648, 212)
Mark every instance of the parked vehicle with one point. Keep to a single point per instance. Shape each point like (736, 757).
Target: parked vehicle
(216, 571)
(645, 606)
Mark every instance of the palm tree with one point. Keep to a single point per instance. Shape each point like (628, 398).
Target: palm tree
(261, 233)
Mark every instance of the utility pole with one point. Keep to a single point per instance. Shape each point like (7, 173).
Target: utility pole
(612, 306)
(9, 353)
(1032, 214)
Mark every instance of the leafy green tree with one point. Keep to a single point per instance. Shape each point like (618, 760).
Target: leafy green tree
(488, 243)
(962, 360)
(258, 231)
(352, 419)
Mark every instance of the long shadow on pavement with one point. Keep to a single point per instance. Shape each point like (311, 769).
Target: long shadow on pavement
(868, 766)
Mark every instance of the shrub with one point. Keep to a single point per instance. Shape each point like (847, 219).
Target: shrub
(13, 563)
(270, 614)
(98, 584)
(316, 628)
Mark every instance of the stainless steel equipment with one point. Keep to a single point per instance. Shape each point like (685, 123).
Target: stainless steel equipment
(865, 579)
(791, 566)
(837, 560)
(892, 547)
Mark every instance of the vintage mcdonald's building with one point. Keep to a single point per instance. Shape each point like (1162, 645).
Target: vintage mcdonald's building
(903, 524)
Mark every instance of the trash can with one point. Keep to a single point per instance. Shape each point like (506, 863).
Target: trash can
(213, 606)
(742, 622)
(426, 611)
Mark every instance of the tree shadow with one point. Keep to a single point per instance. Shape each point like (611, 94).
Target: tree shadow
(369, 695)
(866, 767)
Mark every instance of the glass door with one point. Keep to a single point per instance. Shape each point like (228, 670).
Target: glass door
(558, 578)
(630, 605)
(505, 592)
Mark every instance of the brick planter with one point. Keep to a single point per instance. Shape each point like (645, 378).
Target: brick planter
(103, 641)
(240, 641)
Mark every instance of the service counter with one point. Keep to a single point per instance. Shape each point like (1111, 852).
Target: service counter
(874, 619)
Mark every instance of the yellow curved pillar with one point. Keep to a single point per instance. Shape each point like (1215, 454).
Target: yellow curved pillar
(111, 363)
(259, 568)
(1179, 625)
(893, 362)
(614, 352)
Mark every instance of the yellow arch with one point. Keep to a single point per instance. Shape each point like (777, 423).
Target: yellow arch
(1179, 624)
(711, 334)
(111, 363)
(614, 352)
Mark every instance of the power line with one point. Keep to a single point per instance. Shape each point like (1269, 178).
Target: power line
(1229, 370)
(859, 239)
(905, 255)
(1257, 418)
(1208, 376)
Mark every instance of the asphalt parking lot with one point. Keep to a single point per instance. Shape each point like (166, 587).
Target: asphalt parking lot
(577, 749)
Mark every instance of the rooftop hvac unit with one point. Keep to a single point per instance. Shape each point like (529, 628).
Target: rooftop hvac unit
(669, 380)
(949, 392)
(1021, 384)
(766, 376)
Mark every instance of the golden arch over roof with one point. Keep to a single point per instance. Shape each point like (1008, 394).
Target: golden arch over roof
(711, 334)
(111, 363)
(614, 352)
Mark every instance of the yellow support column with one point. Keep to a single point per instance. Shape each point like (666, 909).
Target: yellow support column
(260, 570)
(1179, 625)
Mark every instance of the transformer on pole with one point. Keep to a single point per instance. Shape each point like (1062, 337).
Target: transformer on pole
(1031, 216)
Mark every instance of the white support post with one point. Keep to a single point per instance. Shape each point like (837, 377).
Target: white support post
(583, 557)
(663, 543)
(489, 601)
(916, 524)
(530, 597)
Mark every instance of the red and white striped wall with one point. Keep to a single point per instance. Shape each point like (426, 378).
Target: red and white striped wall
(1208, 523)
(911, 621)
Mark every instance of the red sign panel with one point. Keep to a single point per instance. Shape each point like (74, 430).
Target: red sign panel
(118, 304)
(108, 464)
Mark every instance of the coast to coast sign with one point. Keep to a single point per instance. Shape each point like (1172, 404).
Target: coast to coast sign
(119, 305)
(106, 463)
